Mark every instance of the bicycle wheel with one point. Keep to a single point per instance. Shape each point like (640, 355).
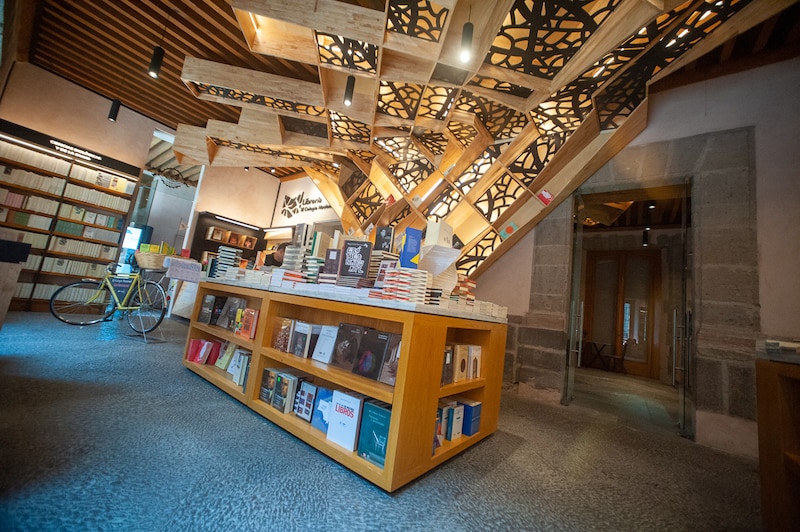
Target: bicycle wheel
(82, 303)
(152, 303)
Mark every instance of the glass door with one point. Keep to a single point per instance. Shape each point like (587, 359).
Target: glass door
(575, 347)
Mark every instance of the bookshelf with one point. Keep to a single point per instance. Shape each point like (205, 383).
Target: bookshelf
(213, 231)
(414, 397)
(73, 212)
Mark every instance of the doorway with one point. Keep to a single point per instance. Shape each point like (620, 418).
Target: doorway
(628, 294)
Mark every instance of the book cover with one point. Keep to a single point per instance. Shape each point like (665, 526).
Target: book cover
(332, 261)
(267, 385)
(226, 354)
(460, 362)
(249, 322)
(193, 352)
(300, 339)
(389, 371)
(213, 354)
(355, 259)
(322, 409)
(219, 304)
(348, 338)
(345, 418)
(455, 422)
(304, 401)
(205, 350)
(374, 432)
(410, 247)
(474, 362)
(383, 238)
(472, 416)
(235, 366)
(282, 334)
(447, 365)
(284, 392)
(206, 309)
(371, 353)
(384, 266)
(240, 378)
(326, 341)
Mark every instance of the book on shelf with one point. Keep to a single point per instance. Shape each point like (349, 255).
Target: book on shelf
(410, 247)
(237, 367)
(245, 373)
(213, 354)
(474, 362)
(444, 410)
(249, 323)
(322, 409)
(206, 309)
(216, 312)
(455, 421)
(227, 317)
(333, 258)
(371, 353)
(345, 419)
(388, 373)
(355, 259)
(282, 333)
(304, 400)
(460, 362)
(383, 267)
(193, 351)
(384, 238)
(267, 387)
(323, 350)
(345, 352)
(373, 433)
(226, 354)
(284, 392)
(472, 416)
(447, 365)
(301, 337)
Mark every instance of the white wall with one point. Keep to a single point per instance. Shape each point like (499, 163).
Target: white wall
(508, 281)
(244, 196)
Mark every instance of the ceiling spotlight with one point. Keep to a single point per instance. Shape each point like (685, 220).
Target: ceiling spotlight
(114, 111)
(348, 90)
(155, 62)
(246, 168)
(466, 42)
(645, 238)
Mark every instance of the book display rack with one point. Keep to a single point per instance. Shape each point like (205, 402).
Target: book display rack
(214, 231)
(73, 212)
(412, 401)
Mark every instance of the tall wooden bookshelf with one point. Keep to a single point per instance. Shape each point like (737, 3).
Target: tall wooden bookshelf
(71, 205)
(414, 398)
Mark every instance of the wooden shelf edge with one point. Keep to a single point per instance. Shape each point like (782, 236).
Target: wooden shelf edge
(792, 462)
(461, 387)
(225, 334)
(215, 376)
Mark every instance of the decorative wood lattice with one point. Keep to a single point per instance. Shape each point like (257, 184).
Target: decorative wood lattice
(367, 202)
(345, 128)
(474, 256)
(399, 148)
(463, 133)
(436, 102)
(401, 215)
(528, 165)
(499, 120)
(443, 204)
(559, 30)
(355, 178)
(347, 53)
(499, 197)
(501, 86)
(435, 143)
(363, 155)
(399, 99)
(263, 150)
(476, 170)
(420, 19)
(409, 174)
(258, 99)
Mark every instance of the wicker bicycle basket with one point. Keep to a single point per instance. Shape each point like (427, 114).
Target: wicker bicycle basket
(150, 261)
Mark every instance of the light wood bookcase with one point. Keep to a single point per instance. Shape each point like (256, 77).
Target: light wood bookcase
(414, 398)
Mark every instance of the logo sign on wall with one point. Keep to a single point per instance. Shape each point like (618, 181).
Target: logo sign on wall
(300, 201)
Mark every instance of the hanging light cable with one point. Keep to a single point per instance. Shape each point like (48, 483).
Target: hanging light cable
(158, 55)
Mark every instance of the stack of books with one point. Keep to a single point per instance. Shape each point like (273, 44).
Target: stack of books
(227, 258)
(312, 266)
(293, 258)
(407, 284)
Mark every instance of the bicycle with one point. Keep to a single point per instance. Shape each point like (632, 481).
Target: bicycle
(90, 301)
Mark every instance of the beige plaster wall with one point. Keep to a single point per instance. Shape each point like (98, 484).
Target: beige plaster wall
(245, 196)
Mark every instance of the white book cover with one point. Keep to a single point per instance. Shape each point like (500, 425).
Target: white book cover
(323, 351)
(344, 419)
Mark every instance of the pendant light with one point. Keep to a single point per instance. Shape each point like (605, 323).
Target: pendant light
(348, 90)
(466, 38)
(114, 111)
(158, 55)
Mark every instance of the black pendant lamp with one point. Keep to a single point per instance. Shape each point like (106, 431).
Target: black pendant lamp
(155, 62)
(348, 90)
(114, 111)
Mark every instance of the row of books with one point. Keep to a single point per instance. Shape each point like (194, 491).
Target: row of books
(30, 203)
(456, 417)
(31, 180)
(348, 419)
(95, 233)
(90, 195)
(227, 356)
(36, 240)
(102, 179)
(71, 267)
(34, 221)
(39, 291)
(365, 351)
(80, 247)
(461, 362)
(34, 158)
(81, 214)
(229, 312)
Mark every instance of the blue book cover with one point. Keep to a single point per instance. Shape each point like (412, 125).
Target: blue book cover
(374, 432)
(410, 247)
(322, 409)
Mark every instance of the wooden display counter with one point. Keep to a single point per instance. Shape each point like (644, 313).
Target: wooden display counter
(414, 398)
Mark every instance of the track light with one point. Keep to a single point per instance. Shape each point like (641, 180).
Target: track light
(246, 168)
(645, 238)
(348, 90)
(155, 62)
(114, 111)
(466, 42)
